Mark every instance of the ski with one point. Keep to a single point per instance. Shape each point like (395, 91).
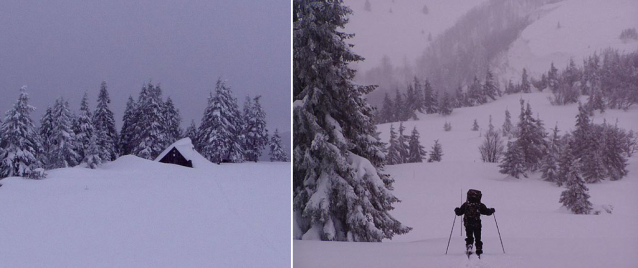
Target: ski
(468, 251)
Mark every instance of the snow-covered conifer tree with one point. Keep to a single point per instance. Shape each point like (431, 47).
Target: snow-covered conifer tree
(446, 105)
(531, 138)
(255, 132)
(507, 125)
(92, 154)
(430, 102)
(387, 110)
(612, 156)
(393, 157)
(219, 134)
(173, 120)
(513, 161)
(436, 154)
(104, 123)
(549, 166)
(447, 126)
(475, 93)
(336, 145)
(489, 88)
(402, 144)
(46, 137)
(191, 131)
(63, 148)
(83, 128)
(576, 197)
(417, 151)
(128, 127)
(277, 153)
(525, 86)
(475, 126)
(150, 134)
(20, 143)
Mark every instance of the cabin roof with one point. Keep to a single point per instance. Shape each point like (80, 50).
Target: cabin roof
(186, 148)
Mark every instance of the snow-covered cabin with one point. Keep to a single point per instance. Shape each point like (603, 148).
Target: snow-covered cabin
(182, 153)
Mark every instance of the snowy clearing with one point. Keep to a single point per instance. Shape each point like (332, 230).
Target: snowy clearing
(138, 213)
(536, 231)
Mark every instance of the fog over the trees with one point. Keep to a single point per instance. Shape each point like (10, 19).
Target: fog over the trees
(65, 48)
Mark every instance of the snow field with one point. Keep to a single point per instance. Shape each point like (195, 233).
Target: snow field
(587, 26)
(536, 231)
(137, 213)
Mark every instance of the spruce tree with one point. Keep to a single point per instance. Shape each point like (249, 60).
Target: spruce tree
(446, 106)
(576, 197)
(587, 147)
(549, 166)
(489, 88)
(336, 144)
(417, 151)
(129, 121)
(191, 131)
(531, 138)
(447, 126)
(460, 98)
(20, 143)
(104, 124)
(525, 86)
(387, 110)
(83, 128)
(436, 154)
(552, 78)
(63, 148)
(429, 100)
(219, 134)
(513, 161)
(475, 126)
(255, 132)
(612, 157)
(92, 154)
(393, 157)
(402, 144)
(507, 125)
(277, 153)
(46, 137)
(150, 135)
(475, 93)
(173, 121)
(412, 104)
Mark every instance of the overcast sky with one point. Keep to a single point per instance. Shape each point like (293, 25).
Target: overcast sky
(66, 47)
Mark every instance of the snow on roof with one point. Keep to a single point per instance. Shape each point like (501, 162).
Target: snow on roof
(186, 148)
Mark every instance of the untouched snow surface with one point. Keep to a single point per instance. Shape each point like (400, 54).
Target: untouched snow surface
(536, 231)
(139, 213)
(586, 26)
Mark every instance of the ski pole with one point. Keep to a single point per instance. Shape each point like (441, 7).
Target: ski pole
(448, 240)
(461, 218)
(499, 233)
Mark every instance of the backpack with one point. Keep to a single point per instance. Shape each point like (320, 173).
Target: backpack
(473, 208)
(472, 211)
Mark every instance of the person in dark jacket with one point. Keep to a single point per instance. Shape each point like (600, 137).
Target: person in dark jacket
(472, 209)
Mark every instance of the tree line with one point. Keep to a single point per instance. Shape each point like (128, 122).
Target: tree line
(149, 125)
(423, 98)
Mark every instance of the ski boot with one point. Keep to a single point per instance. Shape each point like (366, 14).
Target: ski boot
(468, 250)
(479, 251)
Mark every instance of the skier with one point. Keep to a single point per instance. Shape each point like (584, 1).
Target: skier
(473, 208)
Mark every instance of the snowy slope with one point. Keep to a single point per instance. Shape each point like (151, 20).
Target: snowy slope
(138, 213)
(536, 231)
(587, 26)
(403, 32)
